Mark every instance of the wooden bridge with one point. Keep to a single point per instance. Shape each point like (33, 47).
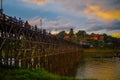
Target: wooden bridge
(26, 46)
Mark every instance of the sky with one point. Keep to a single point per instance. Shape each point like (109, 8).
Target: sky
(93, 16)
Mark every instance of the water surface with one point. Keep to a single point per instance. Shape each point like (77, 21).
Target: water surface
(101, 69)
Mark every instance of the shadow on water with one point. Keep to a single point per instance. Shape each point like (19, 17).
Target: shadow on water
(99, 68)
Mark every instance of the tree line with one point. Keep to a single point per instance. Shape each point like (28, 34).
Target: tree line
(80, 36)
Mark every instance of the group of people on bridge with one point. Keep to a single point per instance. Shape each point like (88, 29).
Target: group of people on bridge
(20, 23)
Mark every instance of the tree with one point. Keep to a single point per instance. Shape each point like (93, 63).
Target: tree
(71, 33)
(81, 33)
(105, 37)
(61, 34)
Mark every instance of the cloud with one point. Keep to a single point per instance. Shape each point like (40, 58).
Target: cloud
(109, 4)
(94, 8)
(113, 25)
(106, 14)
(61, 23)
(39, 2)
(96, 11)
(100, 9)
(116, 35)
(36, 21)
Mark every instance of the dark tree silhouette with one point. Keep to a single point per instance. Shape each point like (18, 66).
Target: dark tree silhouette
(71, 33)
(61, 34)
(80, 33)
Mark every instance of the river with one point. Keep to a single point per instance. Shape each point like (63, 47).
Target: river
(100, 69)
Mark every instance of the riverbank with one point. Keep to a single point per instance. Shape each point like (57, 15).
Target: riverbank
(100, 52)
(94, 50)
(31, 74)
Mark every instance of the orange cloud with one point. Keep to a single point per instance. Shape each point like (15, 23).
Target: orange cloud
(34, 21)
(116, 35)
(97, 11)
(38, 2)
(37, 21)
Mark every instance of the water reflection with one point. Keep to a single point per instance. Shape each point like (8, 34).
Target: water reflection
(101, 69)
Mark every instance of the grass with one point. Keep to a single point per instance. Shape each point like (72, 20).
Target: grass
(31, 74)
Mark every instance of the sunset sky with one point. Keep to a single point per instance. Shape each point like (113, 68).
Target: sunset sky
(98, 16)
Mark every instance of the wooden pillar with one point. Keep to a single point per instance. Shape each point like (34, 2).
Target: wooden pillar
(1, 51)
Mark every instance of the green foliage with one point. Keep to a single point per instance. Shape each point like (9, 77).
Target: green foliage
(61, 34)
(81, 33)
(77, 39)
(111, 42)
(31, 74)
